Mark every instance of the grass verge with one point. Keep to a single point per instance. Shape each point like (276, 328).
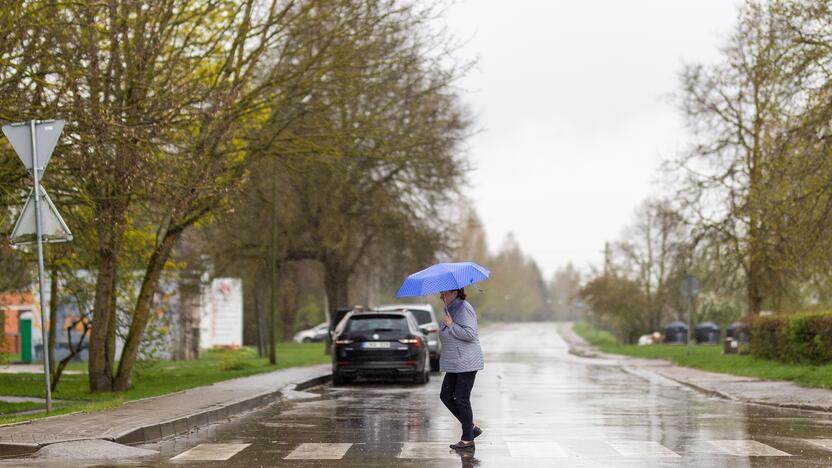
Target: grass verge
(710, 358)
(159, 377)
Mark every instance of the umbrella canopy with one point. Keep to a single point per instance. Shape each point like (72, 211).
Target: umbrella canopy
(442, 277)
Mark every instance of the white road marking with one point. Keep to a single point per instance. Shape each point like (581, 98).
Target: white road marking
(210, 452)
(822, 443)
(318, 452)
(427, 450)
(640, 448)
(536, 450)
(747, 448)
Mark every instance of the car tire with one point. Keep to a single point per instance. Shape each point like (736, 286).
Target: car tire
(424, 376)
(338, 379)
(307, 340)
(434, 364)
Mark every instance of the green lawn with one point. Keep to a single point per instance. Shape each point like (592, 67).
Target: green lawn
(710, 358)
(161, 377)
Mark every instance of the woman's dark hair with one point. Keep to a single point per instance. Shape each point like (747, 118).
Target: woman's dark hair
(460, 293)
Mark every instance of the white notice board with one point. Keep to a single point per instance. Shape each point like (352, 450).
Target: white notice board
(221, 321)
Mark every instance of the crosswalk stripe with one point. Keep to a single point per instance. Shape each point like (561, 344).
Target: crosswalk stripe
(639, 448)
(210, 452)
(536, 450)
(427, 450)
(822, 443)
(747, 448)
(440, 450)
(318, 452)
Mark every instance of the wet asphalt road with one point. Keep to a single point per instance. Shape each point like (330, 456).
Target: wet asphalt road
(538, 406)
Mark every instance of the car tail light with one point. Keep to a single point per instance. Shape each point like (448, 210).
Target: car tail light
(432, 329)
(344, 342)
(416, 342)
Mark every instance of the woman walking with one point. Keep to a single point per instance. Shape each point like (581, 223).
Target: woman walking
(461, 359)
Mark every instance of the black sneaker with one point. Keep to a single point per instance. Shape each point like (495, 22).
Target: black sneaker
(462, 445)
(477, 431)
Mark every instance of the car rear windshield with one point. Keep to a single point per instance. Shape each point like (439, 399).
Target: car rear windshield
(373, 323)
(422, 316)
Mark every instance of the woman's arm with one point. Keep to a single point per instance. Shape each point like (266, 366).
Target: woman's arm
(464, 326)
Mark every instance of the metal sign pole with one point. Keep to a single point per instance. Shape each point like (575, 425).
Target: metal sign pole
(38, 233)
(690, 321)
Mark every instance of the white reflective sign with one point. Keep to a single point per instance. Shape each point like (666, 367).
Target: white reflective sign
(47, 133)
(54, 228)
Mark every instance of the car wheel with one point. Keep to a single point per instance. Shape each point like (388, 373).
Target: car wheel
(338, 379)
(307, 340)
(424, 376)
(434, 364)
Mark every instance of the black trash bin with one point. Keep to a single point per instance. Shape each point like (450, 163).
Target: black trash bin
(737, 338)
(707, 333)
(676, 333)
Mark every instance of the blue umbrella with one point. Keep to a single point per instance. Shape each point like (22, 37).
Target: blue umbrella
(442, 277)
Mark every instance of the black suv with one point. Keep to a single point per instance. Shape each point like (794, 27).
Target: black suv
(379, 344)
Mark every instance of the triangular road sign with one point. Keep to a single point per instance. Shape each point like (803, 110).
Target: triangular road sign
(47, 132)
(54, 228)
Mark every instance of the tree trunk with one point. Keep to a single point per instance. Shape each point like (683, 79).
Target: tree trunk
(112, 326)
(289, 305)
(259, 306)
(754, 290)
(336, 282)
(141, 312)
(100, 373)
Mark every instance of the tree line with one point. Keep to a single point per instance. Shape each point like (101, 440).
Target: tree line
(748, 204)
(295, 144)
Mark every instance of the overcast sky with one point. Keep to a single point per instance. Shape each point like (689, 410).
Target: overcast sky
(574, 101)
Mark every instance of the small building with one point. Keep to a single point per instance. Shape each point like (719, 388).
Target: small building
(14, 306)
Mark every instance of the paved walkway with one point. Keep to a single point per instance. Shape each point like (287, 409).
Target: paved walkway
(29, 369)
(153, 418)
(738, 388)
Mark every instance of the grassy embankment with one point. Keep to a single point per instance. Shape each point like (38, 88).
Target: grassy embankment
(710, 358)
(152, 379)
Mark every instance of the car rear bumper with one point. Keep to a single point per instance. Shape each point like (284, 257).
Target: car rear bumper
(378, 368)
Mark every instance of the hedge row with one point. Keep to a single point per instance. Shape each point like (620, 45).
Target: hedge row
(804, 338)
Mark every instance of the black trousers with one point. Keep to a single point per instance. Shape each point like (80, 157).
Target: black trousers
(456, 395)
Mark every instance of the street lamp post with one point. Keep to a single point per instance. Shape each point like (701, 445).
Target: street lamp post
(690, 288)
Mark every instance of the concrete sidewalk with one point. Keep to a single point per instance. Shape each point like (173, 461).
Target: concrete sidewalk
(154, 418)
(733, 387)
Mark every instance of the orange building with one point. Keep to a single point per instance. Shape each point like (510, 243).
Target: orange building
(11, 306)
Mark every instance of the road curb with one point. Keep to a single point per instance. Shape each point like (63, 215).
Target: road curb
(194, 421)
(586, 350)
(177, 426)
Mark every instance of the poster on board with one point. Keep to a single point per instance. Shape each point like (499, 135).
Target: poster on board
(221, 321)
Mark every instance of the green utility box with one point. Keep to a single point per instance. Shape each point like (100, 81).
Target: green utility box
(26, 339)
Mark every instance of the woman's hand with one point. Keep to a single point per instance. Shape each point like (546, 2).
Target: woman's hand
(447, 320)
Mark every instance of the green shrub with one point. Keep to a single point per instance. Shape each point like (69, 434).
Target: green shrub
(804, 338)
(234, 359)
(810, 337)
(767, 337)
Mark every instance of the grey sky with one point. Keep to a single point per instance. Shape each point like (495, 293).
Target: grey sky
(573, 100)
